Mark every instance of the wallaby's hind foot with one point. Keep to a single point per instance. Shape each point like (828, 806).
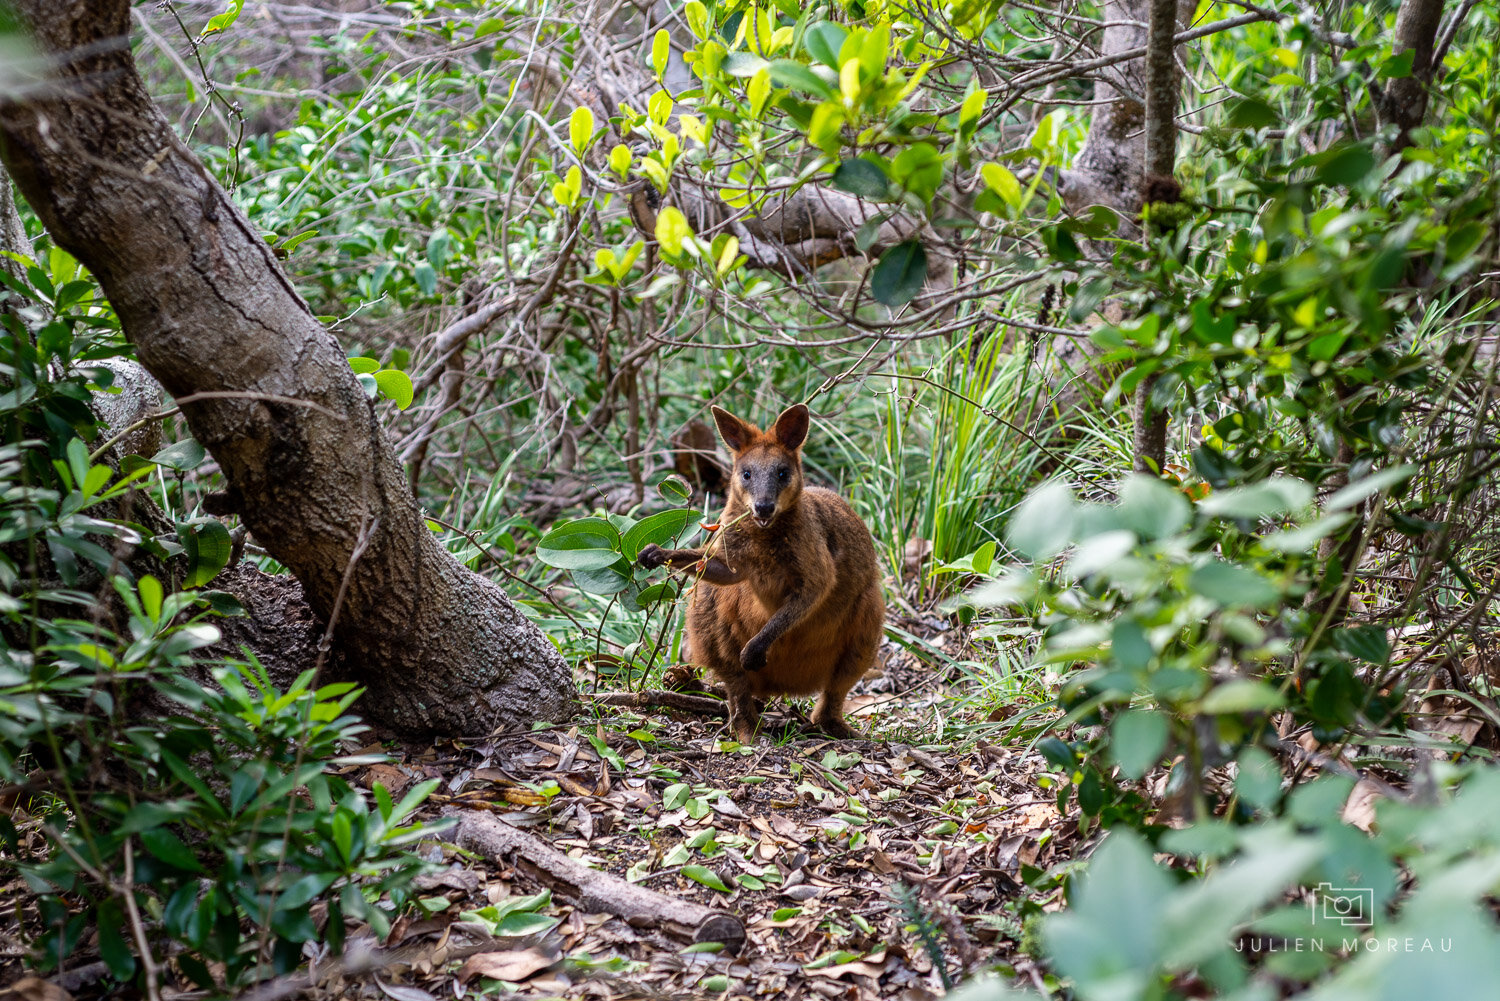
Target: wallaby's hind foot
(828, 717)
(833, 726)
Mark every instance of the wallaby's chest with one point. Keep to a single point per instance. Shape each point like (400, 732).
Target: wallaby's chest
(774, 563)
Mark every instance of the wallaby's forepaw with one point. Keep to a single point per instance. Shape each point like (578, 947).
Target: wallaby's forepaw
(753, 657)
(652, 556)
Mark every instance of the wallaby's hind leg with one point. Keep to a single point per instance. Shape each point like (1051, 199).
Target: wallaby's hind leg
(828, 715)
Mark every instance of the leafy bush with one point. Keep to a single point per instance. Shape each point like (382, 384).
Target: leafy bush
(600, 554)
(216, 824)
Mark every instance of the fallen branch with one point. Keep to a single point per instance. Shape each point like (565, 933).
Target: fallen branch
(591, 890)
(657, 698)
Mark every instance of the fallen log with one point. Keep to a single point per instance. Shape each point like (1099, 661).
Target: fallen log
(592, 890)
(658, 698)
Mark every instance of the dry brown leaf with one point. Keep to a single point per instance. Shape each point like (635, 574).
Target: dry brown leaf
(515, 964)
(871, 966)
(394, 779)
(1359, 808)
(400, 992)
(574, 787)
(34, 989)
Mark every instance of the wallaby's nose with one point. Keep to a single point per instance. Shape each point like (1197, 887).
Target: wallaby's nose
(764, 510)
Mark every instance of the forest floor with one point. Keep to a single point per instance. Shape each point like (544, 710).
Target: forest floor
(811, 843)
(836, 856)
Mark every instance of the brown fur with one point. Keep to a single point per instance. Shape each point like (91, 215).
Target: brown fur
(794, 606)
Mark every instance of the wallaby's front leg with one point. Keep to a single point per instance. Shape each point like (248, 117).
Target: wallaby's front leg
(753, 656)
(709, 568)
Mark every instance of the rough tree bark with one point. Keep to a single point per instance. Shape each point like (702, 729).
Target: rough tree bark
(1163, 93)
(12, 230)
(1404, 103)
(265, 388)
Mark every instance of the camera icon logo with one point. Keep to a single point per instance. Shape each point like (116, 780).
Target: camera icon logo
(1350, 906)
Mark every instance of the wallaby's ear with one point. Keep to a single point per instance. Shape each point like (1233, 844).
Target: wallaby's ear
(791, 427)
(735, 432)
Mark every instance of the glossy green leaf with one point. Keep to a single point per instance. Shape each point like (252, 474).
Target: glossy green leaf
(581, 544)
(900, 275)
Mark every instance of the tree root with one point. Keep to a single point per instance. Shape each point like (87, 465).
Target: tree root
(591, 890)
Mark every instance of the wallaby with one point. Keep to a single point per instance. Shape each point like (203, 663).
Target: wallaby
(795, 606)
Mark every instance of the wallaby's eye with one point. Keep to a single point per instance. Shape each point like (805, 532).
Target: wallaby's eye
(783, 473)
(745, 475)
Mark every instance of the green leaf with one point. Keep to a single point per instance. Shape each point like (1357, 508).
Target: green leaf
(207, 544)
(1275, 496)
(224, 604)
(672, 230)
(1002, 182)
(675, 795)
(395, 385)
(114, 942)
(1233, 586)
(1258, 778)
(1043, 524)
(823, 42)
(661, 52)
(1058, 753)
(900, 274)
(1344, 165)
(706, 876)
(1374, 483)
(581, 124)
(364, 366)
(426, 278)
(151, 595)
(1304, 537)
(1367, 643)
(144, 816)
(675, 488)
(1137, 739)
(1106, 955)
(183, 456)
(168, 847)
(519, 924)
(658, 529)
(919, 169)
(581, 544)
(1398, 64)
(1152, 509)
(797, 76)
(861, 177)
(604, 580)
(1248, 113)
(1240, 696)
(222, 22)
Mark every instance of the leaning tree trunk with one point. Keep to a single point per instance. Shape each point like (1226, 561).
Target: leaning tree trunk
(265, 388)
